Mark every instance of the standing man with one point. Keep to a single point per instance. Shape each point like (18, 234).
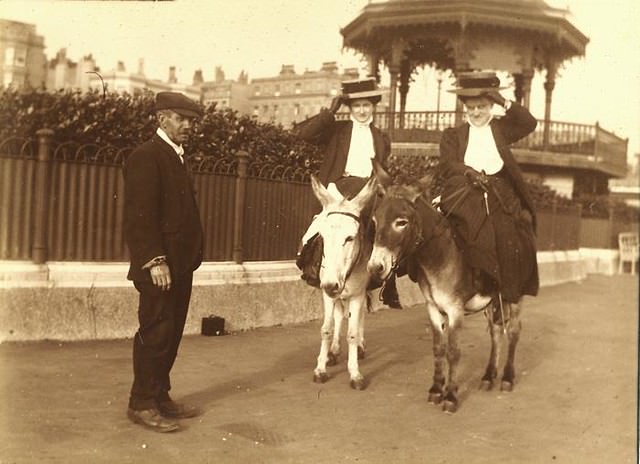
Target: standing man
(164, 235)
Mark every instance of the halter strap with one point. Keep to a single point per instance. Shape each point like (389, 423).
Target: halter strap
(360, 234)
(345, 213)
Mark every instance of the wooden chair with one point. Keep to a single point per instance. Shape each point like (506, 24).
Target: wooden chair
(628, 245)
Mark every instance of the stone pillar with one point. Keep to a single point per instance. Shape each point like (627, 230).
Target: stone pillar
(238, 211)
(39, 248)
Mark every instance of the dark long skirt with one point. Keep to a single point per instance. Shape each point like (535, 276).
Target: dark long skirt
(501, 243)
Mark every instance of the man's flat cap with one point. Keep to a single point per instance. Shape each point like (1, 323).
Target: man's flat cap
(177, 102)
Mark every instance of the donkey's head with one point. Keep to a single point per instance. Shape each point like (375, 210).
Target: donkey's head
(342, 233)
(398, 225)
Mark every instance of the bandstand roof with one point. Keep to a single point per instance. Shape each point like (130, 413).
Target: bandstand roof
(431, 25)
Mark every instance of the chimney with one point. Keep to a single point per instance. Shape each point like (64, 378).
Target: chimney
(141, 66)
(350, 73)
(329, 66)
(120, 67)
(172, 75)
(197, 77)
(219, 75)
(287, 69)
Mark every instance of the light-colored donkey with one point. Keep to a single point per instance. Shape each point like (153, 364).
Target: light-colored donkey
(343, 276)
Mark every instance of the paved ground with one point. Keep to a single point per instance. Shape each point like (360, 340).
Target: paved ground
(575, 400)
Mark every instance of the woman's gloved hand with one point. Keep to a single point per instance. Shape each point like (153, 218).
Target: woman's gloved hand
(476, 178)
(336, 103)
(495, 97)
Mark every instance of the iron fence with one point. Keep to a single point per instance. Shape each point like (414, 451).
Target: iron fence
(65, 203)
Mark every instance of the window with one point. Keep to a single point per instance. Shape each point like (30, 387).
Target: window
(277, 92)
(298, 88)
(8, 79)
(296, 109)
(9, 56)
(20, 57)
(257, 91)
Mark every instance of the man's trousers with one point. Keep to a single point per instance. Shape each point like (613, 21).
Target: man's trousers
(161, 316)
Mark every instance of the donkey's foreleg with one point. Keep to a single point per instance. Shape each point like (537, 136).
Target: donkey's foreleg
(495, 331)
(354, 333)
(513, 335)
(338, 318)
(361, 342)
(450, 403)
(326, 332)
(439, 335)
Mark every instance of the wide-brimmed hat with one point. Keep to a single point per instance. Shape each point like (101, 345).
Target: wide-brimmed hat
(177, 102)
(476, 83)
(361, 88)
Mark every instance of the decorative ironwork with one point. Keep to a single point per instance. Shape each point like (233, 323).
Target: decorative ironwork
(212, 165)
(279, 172)
(91, 153)
(19, 147)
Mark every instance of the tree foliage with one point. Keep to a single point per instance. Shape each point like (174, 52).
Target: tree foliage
(125, 120)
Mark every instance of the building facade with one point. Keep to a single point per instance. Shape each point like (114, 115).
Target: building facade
(122, 81)
(23, 62)
(63, 74)
(289, 97)
(227, 93)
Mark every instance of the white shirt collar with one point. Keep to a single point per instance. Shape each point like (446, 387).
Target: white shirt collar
(357, 123)
(177, 148)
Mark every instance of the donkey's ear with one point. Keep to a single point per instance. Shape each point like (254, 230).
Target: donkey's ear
(365, 194)
(420, 187)
(384, 179)
(321, 193)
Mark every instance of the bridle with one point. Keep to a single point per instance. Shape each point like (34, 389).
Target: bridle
(360, 237)
(419, 239)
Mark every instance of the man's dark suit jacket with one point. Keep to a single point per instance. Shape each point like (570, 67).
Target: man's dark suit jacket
(335, 137)
(516, 124)
(161, 215)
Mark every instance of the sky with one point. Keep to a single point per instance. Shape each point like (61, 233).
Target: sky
(259, 36)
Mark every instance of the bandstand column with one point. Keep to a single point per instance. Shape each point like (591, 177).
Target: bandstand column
(397, 54)
(549, 85)
(405, 73)
(373, 66)
(527, 77)
(463, 57)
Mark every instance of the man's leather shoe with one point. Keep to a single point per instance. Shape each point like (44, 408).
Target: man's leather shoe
(152, 419)
(175, 410)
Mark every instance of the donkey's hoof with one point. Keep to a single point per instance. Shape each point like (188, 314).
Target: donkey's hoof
(332, 359)
(360, 352)
(506, 386)
(486, 385)
(435, 397)
(320, 377)
(358, 384)
(449, 406)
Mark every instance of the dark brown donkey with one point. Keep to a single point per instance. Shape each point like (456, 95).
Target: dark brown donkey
(409, 228)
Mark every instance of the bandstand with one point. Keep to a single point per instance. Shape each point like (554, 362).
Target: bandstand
(518, 37)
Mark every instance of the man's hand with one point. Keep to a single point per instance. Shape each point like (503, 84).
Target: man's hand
(336, 103)
(495, 97)
(161, 276)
